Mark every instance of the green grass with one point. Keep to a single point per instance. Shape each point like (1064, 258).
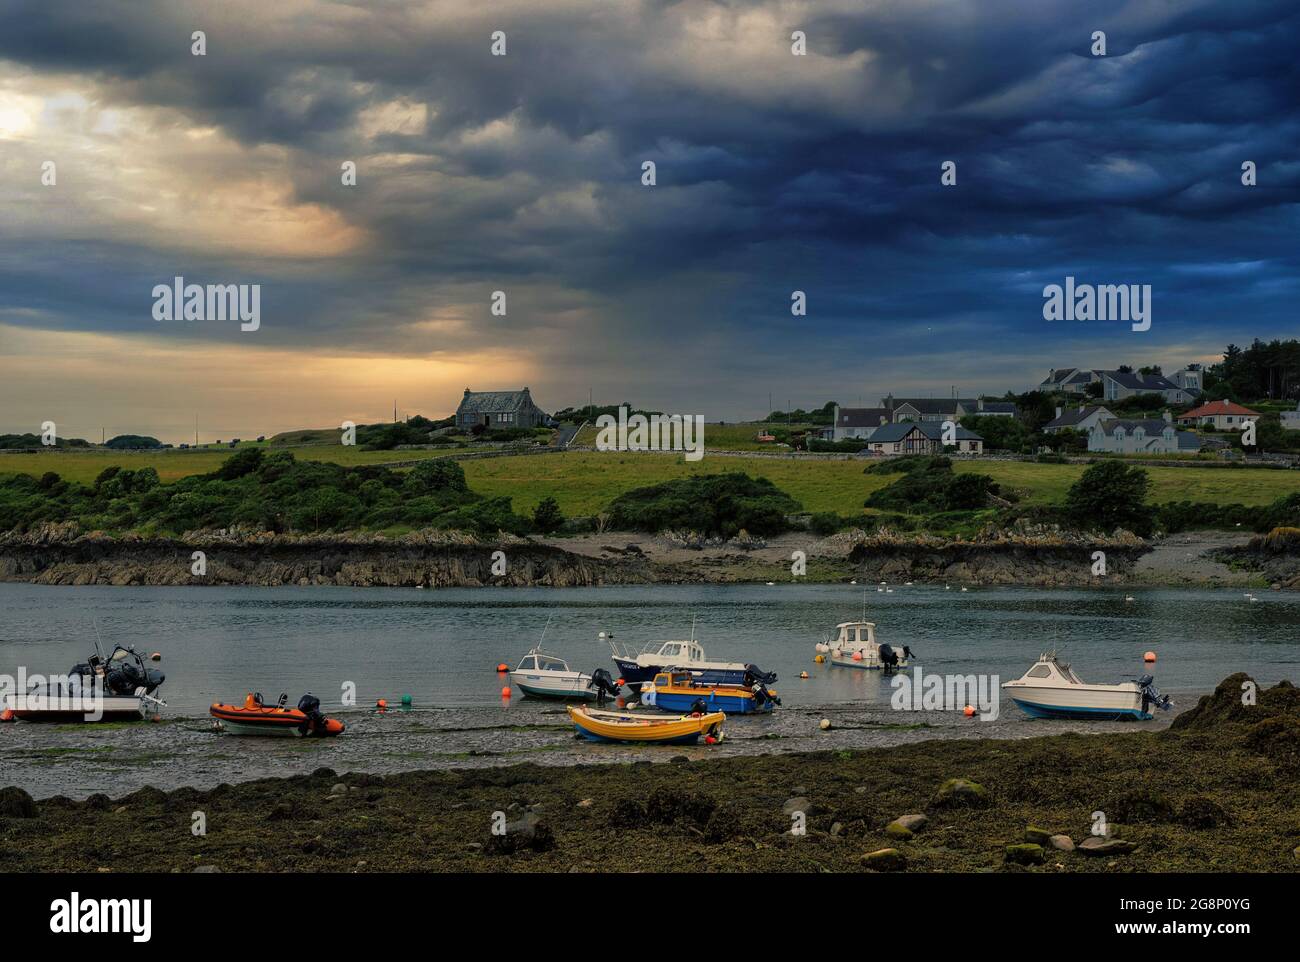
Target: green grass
(584, 482)
(738, 436)
(172, 465)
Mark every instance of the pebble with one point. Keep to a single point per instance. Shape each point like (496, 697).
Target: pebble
(885, 860)
(796, 804)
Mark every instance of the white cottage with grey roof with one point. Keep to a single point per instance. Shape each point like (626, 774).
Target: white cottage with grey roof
(1145, 436)
(499, 410)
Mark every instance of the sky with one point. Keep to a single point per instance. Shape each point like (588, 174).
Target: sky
(774, 172)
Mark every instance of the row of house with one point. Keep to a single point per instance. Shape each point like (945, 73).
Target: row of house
(1108, 432)
(866, 423)
(1182, 387)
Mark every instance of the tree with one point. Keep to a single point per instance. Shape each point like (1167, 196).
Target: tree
(1111, 495)
(438, 474)
(547, 517)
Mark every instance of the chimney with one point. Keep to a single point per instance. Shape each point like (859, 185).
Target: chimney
(467, 392)
(1058, 412)
(979, 404)
(1168, 417)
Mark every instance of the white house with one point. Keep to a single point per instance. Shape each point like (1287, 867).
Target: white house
(944, 409)
(855, 422)
(1190, 378)
(1081, 419)
(1220, 415)
(1291, 419)
(1117, 385)
(1071, 380)
(922, 437)
(1147, 436)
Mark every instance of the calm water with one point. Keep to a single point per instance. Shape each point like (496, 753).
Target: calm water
(441, 646)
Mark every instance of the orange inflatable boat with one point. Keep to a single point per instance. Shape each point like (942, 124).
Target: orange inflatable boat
(255, 718)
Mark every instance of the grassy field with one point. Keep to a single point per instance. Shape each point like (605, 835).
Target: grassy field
(720, 437)
(585, 482)
(172, 465)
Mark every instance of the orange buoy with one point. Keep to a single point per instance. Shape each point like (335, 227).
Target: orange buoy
(7, 715)
(968, 711)
(503, 667)
(382, 704)
(620, 683)
(803, 674)
(505, 692)
(857, 656)
(710, 740)
(1149, 657)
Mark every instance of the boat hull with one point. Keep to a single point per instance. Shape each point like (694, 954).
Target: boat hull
(839, 660)
(66, 709)
(1043, 710)
(1076, 702)
(635, 674)
(271, 722)
(679, 702)
(554, 688)
(628, 728)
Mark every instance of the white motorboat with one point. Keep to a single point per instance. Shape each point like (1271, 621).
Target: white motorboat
(855, 646)
(544, 675)
(121, 687)
(1051, 689)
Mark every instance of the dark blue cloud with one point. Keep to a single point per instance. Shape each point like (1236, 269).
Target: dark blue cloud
(775, 173)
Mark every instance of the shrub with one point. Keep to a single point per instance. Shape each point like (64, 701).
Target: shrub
(712, 504)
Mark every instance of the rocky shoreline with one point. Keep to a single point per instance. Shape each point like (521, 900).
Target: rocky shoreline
(1212, 793)
(64, 555)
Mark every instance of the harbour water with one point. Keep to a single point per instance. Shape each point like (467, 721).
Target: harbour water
(441, 648)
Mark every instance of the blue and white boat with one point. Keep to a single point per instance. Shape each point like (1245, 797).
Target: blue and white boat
(678, 692)
(639, 666)
(1051, 689)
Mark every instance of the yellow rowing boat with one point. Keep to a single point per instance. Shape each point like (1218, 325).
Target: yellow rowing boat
(622, 726)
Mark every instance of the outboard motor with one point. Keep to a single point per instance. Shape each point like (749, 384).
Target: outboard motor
(1151, 696)
(762, 696)
(699, 707)
(888, 657)
(309, 705)
(754, 674)
(907, 653)
(605, 686)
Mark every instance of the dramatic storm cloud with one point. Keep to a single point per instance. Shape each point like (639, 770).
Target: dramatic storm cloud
(522, 173)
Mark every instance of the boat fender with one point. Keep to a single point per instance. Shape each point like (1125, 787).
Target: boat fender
(7, 715)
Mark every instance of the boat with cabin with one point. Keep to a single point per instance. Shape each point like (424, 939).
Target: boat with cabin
(679, 691)
(854, 645)
(1051, 689)
(638, 666)
(544, 675)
